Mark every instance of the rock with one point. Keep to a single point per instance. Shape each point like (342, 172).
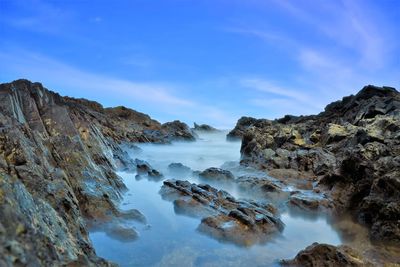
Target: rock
(321, 255)
(348, 152)
(179, 170)
(241, 126)
(144, 169)
(222, 216)
(216, 174)
(263, 187)
(204, 128)
(58, 163)
(122, 233)
(178, 131)
(309, 201)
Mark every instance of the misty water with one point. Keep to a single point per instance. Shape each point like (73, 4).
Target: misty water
(171, 239)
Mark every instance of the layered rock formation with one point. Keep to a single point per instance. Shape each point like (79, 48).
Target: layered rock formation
(58, 158)
(351, 151)
(222, 216)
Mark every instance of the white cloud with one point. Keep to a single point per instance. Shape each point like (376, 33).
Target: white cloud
(269, 87)
(41, 68)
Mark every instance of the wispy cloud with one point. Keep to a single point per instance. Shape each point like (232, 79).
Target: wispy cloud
(351, 49)
(154, 96)
(348, 24)
(38, 67)
(269, 87)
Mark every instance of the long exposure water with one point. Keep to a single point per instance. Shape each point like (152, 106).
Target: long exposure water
(170, 239)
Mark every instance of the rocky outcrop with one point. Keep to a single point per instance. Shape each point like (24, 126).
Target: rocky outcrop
(222, 216)
(241, 126)
(323, 255)
(58, 158)
(204, 128)
(351, 151)
(179, 131)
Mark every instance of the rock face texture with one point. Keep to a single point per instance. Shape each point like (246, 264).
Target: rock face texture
(323, 255)
(351, 150)
(58, 158)
(222, 216)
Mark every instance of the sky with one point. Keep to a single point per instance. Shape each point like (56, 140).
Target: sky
(204, 61)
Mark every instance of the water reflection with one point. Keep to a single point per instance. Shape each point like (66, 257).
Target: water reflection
(172, 239)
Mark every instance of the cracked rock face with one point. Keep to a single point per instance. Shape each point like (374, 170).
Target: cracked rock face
(351, 151)
(58, 158)
(222, 216)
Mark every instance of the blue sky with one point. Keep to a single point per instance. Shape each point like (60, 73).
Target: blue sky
(209, 61)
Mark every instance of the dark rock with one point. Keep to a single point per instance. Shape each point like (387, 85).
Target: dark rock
(179, 131)
(58, 163)
(144, 169)
(222, 216)
(216, 174)
(349, 152)
(309, 201)
(323, 255)
(204, 128)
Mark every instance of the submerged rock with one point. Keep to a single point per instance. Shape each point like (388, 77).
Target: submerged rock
(180, 170)
(323, 255)
(222, 216)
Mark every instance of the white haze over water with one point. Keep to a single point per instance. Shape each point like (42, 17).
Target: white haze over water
(172, 240)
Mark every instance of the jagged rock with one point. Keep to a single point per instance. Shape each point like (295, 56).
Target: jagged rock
(222, 216)
(351, 150)
(179, 131)
(144, 169)
(58, 163)
(204, 128)
(323, 255)
(241, 126)
(216, 174)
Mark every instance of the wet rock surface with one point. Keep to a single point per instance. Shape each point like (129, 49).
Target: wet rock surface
(323, 255)
(58, 157)
(222, 216)
(350, 151)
